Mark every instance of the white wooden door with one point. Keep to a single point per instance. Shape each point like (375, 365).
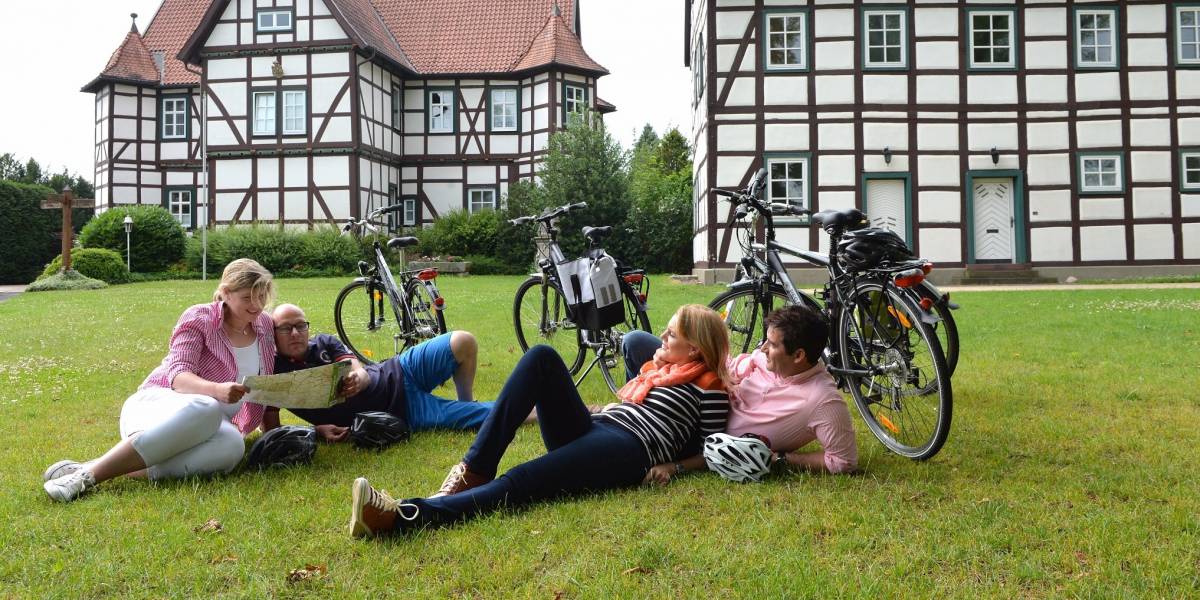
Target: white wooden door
(885, 205)
(993, 210)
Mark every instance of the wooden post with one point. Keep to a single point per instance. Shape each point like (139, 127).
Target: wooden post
(66, 201)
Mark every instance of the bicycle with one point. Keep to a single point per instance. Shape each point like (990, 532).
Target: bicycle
(415, 304)
(882, 345)
(542, 315)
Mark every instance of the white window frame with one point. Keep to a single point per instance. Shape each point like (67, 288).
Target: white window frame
(772, 36)
(505, 110)
(274, 26)
(444, 109)
(177, 199)
(1179, 28)
(1184, 171)
(867, 46)
(397, 106)
(991, 31)
(698, 73)
(301, 106)
(475, 199)
(177, 128)
(580, 102)
(1098, 160)
(803, 161)
(1112, 46)
(410, 211)
(262, 125)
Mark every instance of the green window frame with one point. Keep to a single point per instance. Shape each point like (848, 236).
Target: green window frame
(397, 107)
(789, 179)
(493, 106)
(172, 128)
(788, 34)
(1185, 30)
(410, 210)
(445, 109)
(891, 28)
(476, 194)
(264, 112)
(992, 38)
(582, 102)
(699, 76)
(1100, 173)
(1189, 169)
(1097, 36)
(170, 201)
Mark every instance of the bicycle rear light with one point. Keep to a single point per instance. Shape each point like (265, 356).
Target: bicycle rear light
(909, 278)
(427, 274)
(634, 279)
(926, 304)
(642, 298)
(927, 267)
(439, 303)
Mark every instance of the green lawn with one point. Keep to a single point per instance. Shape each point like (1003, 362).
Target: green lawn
(1070, 471)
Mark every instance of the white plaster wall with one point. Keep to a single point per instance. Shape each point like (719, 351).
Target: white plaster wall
(444, 197)
(1046, 89)
(1189, 205)
(1147, 52)
(992, 89)
(1047, 136)
(836, 170)
(937, 55)
(267, 204)
(1187, 83)
(327, 29)
(1098, 134)
(1151, 203)
(835, 89)
(1153, 242)
(732, 24)
(730, 170)
(788, 137)
(1151, 166)
(936, 21)
(295, 170)
(877, 136)
(985, 136)
(1090, 87)
(1045, 21)
(938, 170)
(937, 136)
(223, 34)
(1189, 131)
(833, 22)
(937, 89)
(735, 137)
(1191, 240)
(1149, 132)
(941, 244)
(1147, 85)
(835, 200)
(834, 55)
(1050, 205)
(1048, 169)
(1046, 55)
(741, 92)
(939, 207)
(835, 136)
(1146, 18)
(885, 89)
(1101, 243)
(1047, 244)
(329, 171)
(225, 205)
(481, 175)
(1092, 208)
(785, 89)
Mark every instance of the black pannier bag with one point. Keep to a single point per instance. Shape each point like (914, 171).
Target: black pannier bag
(592, 290)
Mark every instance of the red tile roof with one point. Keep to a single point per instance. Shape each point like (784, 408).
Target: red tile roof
(172, 25)
(368, 26)
(557, 44)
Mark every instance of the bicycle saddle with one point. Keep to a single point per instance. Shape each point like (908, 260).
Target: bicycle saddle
(595, 234)
(402, 242)
(845, 219)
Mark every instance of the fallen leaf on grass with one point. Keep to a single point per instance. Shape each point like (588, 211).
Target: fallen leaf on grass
(559, 594)
(228, 558)
(308, 573)
(915, 496)
(638, 570)
(211, 525)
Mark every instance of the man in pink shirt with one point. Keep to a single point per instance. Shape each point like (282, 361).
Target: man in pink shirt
(782, 393)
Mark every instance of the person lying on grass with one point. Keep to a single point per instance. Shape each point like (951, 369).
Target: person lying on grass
(781, 392)
(188, 417)
(402, 385)
(665, 412)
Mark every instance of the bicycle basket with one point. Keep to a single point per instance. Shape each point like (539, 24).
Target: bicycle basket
(592, 291)
(864, 249)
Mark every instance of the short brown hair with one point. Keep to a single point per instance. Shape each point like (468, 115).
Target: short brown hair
(802, 328)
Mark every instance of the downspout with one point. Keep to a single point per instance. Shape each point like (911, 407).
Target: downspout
(203, 173)
(362, 106)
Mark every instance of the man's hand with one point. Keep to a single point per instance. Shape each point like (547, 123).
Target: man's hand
(333, 433)
(660, 474)
(229, 392)
(354, 383)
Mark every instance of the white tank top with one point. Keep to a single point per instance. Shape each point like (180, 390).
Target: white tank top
(248, 363)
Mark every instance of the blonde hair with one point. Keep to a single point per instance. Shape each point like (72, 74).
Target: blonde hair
(245, 273)
(702, 327)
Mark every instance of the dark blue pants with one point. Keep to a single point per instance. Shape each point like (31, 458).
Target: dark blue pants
(582, 454)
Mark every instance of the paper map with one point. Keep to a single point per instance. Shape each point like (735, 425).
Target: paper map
(306, 388)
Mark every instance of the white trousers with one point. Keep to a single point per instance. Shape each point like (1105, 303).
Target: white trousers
(181, 434)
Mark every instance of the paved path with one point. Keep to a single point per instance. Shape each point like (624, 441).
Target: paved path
(1069, 286)
(8, 291)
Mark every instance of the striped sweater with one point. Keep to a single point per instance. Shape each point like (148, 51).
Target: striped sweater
(671, 417)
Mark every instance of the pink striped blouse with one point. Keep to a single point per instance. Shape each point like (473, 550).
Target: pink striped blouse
(200, 346)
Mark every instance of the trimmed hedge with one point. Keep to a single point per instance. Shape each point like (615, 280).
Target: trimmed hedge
(157, 240)
(97, 263)
(284, 252)
(27, 230)
(67, 280)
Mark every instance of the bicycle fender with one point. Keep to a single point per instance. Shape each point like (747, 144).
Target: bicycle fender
(741, 284)
(361, 280)
(433, 291)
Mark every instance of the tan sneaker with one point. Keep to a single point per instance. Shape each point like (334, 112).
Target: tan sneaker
(374, 512)
(460, 479)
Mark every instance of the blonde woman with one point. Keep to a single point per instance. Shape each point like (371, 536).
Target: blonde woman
(188, 417)
(677, 399)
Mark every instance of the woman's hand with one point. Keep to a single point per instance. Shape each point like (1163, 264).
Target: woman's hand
(229, 392)
(354, 383)
(333, 433)
(659, 474)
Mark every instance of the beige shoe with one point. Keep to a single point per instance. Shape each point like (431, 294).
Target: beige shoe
(374, 512)
(460, 479)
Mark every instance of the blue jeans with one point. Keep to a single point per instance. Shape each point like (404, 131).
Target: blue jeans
(582, 454)
(637, 347)
(426, 366)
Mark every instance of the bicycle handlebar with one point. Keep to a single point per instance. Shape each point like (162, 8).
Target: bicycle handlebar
(549, 214)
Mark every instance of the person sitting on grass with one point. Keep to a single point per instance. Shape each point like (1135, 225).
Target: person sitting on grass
(665, 412)
(402, 385)
(188, 416)
(781, 392)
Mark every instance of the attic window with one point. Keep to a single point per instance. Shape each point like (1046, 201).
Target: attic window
(273, 21)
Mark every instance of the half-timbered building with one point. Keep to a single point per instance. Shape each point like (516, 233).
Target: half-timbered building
(1064, 136)
(309, 111)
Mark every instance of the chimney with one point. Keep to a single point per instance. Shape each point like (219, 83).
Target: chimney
(575, 19)
(160, 61)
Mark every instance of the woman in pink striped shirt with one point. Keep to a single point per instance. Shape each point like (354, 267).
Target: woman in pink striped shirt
(188, 417)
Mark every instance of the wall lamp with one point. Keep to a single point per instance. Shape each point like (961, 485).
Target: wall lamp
(887, 155)
(995, 156)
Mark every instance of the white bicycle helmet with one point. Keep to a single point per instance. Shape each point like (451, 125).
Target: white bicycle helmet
(739, 459)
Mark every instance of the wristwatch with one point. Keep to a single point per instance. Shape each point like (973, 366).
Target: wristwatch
(779, 457)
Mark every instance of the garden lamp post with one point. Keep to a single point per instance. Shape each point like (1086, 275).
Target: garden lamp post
(128, 222)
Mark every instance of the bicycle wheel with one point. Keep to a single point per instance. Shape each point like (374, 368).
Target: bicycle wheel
(743, 314)
(946, 329)
(427, 320)
(366, 323)
(540, 316)
(906, 398)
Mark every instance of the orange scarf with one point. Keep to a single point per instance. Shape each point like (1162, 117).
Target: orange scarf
(667, 375)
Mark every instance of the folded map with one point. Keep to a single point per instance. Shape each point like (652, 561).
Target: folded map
(307, 388)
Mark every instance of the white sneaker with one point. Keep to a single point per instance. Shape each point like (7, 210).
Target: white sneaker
(70, 487)
(60, 468)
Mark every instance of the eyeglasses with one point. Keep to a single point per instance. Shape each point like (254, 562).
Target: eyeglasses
(301, 327)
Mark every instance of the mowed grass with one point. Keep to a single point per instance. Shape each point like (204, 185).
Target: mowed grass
(1070, 471)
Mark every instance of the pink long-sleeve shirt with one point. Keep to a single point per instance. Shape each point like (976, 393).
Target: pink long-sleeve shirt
(791, 411)
(200, 346)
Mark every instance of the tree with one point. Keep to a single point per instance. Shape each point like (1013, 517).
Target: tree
(33, 172)
(11, 169)
(661, 213)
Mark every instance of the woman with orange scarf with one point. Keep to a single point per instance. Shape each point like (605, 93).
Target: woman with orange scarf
(678, 398)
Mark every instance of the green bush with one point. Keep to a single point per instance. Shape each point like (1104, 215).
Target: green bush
(97, 263)
(490, 265)
(67, 280)
(27, 231)
(284, 252)
(484, 234)
(157, 240)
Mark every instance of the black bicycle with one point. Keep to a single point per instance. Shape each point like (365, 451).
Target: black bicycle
(882, 344)
(543, 315)
(378, 317)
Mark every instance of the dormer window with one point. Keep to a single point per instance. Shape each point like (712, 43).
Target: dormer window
(274, 20)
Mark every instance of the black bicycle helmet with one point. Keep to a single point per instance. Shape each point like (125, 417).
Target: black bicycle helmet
(283, 447)
(868, 248)
(377, 430)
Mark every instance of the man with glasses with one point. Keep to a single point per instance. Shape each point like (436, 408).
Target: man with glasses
(402, 385)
